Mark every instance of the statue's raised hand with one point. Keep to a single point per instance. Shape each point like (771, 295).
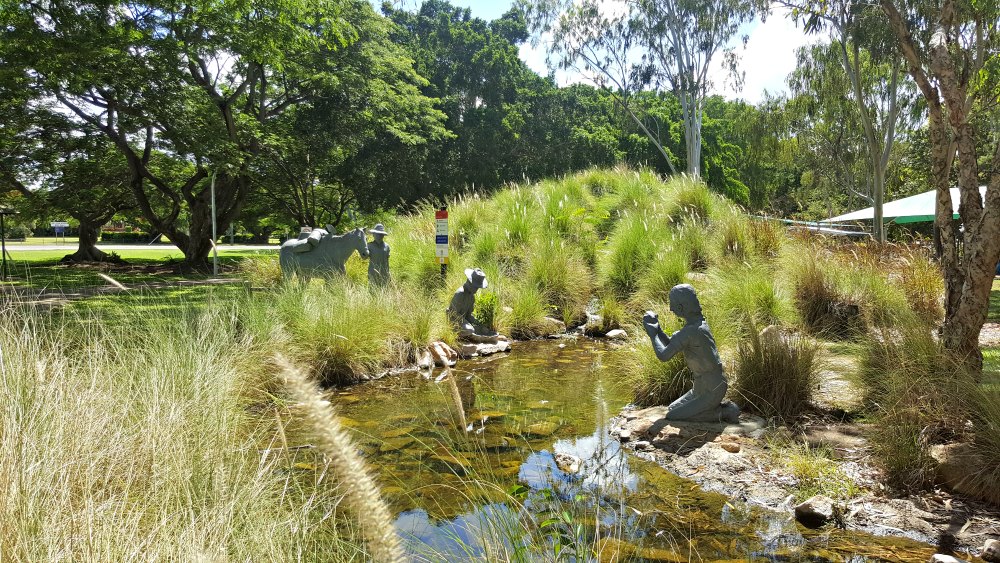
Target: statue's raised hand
(651, 322)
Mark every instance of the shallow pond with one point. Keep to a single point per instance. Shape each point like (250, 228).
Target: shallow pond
(472, 494)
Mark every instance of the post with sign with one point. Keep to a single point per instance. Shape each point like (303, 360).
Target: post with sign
(441, 239)
(60, 228)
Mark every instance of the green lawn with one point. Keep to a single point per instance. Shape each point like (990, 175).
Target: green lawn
(40, 269)
(994, 314)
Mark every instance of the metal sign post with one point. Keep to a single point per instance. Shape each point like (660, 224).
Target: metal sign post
(215, 251)
(441, 239)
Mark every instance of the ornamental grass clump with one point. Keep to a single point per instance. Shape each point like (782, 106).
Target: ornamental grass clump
(139, 439)
(822, 308)
(526, 317)
(775, 373)
(629, 253)
(923, 286)
(691, 201)
(917, 396)
(562, 278)
(669, 268)
(741, 296)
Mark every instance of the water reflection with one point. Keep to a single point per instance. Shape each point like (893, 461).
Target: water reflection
(465, 495)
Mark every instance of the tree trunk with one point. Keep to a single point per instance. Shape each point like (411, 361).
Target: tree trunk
(87, 250)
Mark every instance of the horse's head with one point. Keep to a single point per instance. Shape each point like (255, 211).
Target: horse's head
(361, 238)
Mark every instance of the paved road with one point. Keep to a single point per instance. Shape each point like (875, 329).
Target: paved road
(19, 247)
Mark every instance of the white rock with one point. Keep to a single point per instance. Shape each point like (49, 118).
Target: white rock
(815, 511)
(942, 558)
(991, 551)
(616, 334)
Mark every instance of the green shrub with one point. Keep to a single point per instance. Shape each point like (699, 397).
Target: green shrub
(487, 308)
(775, 374)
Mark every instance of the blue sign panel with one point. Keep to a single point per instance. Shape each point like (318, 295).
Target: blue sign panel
(441, 239)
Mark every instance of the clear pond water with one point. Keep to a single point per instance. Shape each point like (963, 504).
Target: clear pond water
(464, 495)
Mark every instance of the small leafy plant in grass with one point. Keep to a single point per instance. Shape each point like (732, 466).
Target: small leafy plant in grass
(775, 374)
(487, 308)
(815, 469)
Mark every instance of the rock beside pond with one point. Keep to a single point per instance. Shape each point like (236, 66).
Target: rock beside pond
(470, 350)
(957, 469)
(437, 354)
(551, 326)
(991, 551)
(673, 435)
(817, 511)
(942, 558)
(616, 334)
(731, 447)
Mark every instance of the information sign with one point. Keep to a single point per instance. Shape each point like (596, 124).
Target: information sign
(441, 236)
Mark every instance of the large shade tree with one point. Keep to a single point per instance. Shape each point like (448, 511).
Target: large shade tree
(200, 80)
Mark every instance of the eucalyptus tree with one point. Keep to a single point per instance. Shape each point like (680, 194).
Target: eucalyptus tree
(952, 52)
(683, 38)
(200, 81)
(603, 42)
(874, 69)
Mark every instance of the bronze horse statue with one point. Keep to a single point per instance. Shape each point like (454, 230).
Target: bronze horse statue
(321, 254)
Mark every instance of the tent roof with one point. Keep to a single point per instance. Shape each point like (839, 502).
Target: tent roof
(913, 209)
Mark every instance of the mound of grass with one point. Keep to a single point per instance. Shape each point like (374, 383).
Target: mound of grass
(742, 296)
(692, 201)
(775, 373)
(563, 279)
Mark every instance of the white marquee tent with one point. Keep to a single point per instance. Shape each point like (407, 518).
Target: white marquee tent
(913, 209)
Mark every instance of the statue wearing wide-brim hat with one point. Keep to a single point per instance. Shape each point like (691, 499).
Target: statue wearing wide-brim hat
(463, 303)
(378, 261)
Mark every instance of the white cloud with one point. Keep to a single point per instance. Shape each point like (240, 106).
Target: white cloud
(767, 60)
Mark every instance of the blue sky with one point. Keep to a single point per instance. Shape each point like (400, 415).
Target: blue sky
(768, 58)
